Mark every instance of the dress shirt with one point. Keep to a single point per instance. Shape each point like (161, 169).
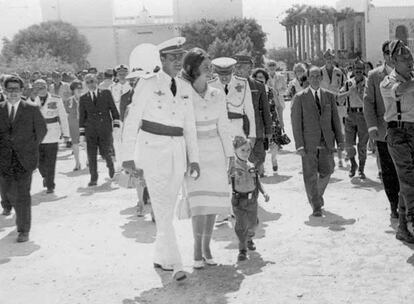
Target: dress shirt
(9, 108)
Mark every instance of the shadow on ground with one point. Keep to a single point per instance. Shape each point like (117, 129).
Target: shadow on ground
(225, 233)
(84, 171)
(330, 220)
(9, 248)
(142, 229)
(43, 197)
(105, 187)
(366, 184)
(275, 179)
(211, 285)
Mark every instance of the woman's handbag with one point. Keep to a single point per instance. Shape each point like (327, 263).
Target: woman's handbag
(284, 139)
(183, 207)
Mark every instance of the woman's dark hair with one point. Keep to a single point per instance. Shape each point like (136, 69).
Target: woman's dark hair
(192, 62)
(371, 66)
(260, 70)
(76, 84)
(14, 79)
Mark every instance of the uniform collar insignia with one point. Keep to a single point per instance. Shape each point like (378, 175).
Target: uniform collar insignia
(159, 93)
(239, 87)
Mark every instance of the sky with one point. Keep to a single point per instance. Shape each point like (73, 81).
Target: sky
(18, 14)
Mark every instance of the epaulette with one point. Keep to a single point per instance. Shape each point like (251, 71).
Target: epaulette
(148, 76)
(213, 79)
(386, 83)
(240, 78)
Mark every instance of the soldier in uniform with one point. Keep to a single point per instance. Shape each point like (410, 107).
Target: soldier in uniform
(332, 81)
(56, 118)
(238, 97)
(261, 106)
(397, 90)
(60, 88)
(98, 116)
(374, 115)
(159, 135)
(355, 124)
(122, 86)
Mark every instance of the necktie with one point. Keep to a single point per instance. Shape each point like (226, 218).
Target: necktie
(43, 100)
(226, 89)
(94, 98)
(11, 116)
(318, 103)
(173, 86)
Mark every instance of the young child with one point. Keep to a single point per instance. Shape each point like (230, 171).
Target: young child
(246, 186)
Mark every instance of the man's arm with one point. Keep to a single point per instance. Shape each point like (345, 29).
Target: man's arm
(39, 125)
(296, 116)
(370, 108)
(83, 116)
(249, 110)
(336, 122)
(63, 119)
(116, 123)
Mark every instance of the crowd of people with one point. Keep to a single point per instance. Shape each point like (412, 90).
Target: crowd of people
(192, 136)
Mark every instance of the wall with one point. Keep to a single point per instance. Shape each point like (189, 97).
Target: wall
(377, 28)
(189, 10)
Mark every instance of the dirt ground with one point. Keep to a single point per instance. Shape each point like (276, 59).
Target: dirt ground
(88, 246)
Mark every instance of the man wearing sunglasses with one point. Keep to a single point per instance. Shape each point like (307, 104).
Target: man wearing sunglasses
(98, 115)
(355, 125)
(374, 115)
(397, 90)
(22, 129)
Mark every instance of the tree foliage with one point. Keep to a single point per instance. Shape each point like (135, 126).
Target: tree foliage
(52, 39)
(227, 38)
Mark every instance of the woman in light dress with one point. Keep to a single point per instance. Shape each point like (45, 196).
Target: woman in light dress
(298, 83)
(210, 194)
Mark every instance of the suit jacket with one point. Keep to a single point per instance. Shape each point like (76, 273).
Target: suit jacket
(126, 100)
(100, 118)
(22, 137)
(308, 125)
(261, 108)
(374, 108)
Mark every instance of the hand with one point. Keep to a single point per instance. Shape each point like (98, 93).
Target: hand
(66, 138)
(266, 197)
(231, 169)
(82, 139)
(373, 134)
(195, 170)
(301, 152)
(117, 133)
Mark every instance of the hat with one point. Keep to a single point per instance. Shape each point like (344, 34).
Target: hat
(172, 46)
(40, 82)
(223, 65)
(135, 74)
(109, 73)
(398, 47)
(386, 46)
(93, 70)
(243, 58)
(239, 141)
(121, 67)
(328, 54)
(359, 65)
(56, 74)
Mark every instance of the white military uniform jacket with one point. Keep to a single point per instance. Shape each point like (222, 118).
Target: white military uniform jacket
(55, 116)
(153, 101)
(118, 89)
(238, 100)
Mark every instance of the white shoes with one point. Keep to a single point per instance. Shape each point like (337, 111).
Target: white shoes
(210, 262)
(198, 264)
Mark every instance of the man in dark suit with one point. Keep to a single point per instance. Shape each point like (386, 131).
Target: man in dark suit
(316, 127)
(22, 129)
(261, 106)
(374, 115)
(97, 116)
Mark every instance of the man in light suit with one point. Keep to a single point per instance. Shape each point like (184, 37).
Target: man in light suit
(374, 115)
(316, 127)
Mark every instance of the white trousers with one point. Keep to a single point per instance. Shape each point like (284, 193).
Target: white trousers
(163, 160)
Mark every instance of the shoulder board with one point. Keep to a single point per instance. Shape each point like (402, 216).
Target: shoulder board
(240, 78)
(148, 76)
(213, 79)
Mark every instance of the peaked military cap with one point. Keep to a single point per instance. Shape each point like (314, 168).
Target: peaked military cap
(121, 67)
(243, 58)
(398, 48)
(223, 65)
(328, 54)
(109, 73)
(92, 70)
(239, 141)
(172, 46)
(359, 65)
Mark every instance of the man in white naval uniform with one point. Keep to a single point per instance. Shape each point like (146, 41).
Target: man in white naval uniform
(52, 108)
(238, 96)
(159, 135)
